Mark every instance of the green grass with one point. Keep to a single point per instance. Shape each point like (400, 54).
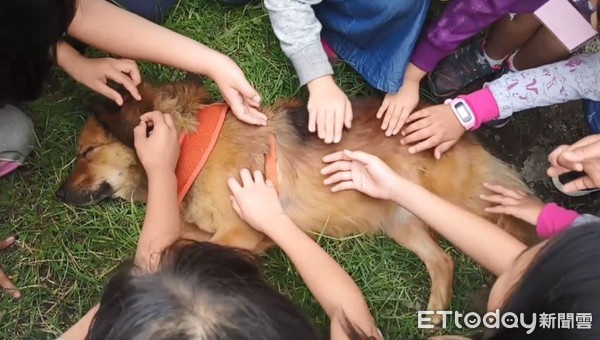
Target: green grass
(65, 255)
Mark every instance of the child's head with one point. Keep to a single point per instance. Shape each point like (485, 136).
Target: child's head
(200, 291)
(29, 32)
(561, 275)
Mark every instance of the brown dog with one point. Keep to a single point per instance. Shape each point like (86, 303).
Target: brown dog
(107, 167)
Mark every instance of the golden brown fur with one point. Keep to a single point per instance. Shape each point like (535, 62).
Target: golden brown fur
(457, 177)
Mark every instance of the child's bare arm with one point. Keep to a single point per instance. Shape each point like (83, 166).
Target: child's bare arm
(256, 201)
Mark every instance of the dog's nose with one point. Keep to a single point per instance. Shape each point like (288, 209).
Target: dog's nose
(61, 193)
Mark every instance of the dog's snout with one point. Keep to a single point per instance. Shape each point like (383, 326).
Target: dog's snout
(61, 193)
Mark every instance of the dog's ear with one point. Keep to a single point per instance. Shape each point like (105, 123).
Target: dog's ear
(121, 120)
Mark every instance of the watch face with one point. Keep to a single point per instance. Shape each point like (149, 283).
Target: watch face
(463, 112)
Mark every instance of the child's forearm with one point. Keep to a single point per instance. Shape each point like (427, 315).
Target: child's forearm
(80, 330)
(65, 53)
(481, 240)
(162, 223)
(331, 286)
(131, 36)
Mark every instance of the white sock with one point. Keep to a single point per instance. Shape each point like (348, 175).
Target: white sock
(494, 63)
(510, 62)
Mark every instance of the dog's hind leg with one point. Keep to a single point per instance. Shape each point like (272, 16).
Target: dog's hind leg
(415, 237)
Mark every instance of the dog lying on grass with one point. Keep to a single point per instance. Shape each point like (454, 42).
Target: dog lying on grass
(107, 167)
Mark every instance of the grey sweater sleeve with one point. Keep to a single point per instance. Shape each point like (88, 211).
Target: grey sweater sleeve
(585, 219)
(299, 33)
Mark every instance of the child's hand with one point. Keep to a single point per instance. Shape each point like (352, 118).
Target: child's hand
(514, 203)
(95, 73)
(5, 281)
(158, 149)
(359, 171)
(434, 127)
(397, 107)
(329, 109)
(584, 155)
(237, 92)
(256, 201)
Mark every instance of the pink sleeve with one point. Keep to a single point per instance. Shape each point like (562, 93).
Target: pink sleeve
(483, 105)
(554, 219)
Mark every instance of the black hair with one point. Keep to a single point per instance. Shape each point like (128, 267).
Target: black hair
(563, 278)
(29, 32)
(199, 291)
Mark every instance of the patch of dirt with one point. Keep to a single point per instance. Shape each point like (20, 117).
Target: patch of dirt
(528, 139)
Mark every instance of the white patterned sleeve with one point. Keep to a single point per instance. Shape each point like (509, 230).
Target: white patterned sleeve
(572, 79)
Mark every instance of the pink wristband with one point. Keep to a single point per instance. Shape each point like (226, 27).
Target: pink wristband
(483, 105)
(554, 219)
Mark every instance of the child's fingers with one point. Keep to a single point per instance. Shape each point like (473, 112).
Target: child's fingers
(416, 126)
(442, 148)
(7, 242)
(8, 286)
(139, 132)
(399, 124)
(348, 116)
(339, 125)
(334, 157)
(258, 177)
(340, 176)
(500, 209)
(383, 108)
(389, 114)
(321, 117)
(360, 156)
(424, 145)
(234, 185)
(415, 116)
(349, 185)
(417, 136)
(246, 177)
(580, 184)
(337, 166)
(106, 91)
(312, 119)
(330, 122)
(499, 189)
(235, 204)
(499, 199)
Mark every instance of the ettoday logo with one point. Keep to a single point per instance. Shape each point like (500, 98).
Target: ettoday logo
(495, 319)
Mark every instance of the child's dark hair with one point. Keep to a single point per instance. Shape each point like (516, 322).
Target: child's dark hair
(563, 278)
(30, 30)
(200, 291)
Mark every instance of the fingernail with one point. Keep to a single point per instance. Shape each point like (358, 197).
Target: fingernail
(256, 99)
(10, 239)
(402, 142)
(411, 150)
(17, 295)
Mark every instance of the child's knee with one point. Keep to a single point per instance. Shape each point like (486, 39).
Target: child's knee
(17, 136)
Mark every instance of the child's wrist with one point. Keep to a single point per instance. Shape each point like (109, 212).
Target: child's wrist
(483, 105)
(159, 173)
(318, 83)
(413, 74)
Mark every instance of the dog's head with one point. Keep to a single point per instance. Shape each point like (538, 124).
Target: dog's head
(106, 164)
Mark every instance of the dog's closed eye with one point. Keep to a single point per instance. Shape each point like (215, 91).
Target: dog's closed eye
(87, 151)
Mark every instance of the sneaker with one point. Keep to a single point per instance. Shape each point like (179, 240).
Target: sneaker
(592, 113)
(460, 69)
(560, 181)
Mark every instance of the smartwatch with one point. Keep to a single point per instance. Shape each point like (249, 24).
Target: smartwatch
(463, 112)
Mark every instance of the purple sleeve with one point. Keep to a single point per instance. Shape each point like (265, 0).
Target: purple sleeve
(461, 20)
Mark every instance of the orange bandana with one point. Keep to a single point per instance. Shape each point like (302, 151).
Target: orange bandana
(195, 148)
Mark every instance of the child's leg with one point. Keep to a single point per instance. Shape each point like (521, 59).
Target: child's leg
(478, 59)
(542, 49)
(154, 10)
(16, 138)
(510, 33)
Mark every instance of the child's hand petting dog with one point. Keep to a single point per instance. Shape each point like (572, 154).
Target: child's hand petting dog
(158, 149)
(255, 200)
(514, 203)
(329, 109)
(359, 171)
(237, 92)
(434, 127)
(397, 107)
